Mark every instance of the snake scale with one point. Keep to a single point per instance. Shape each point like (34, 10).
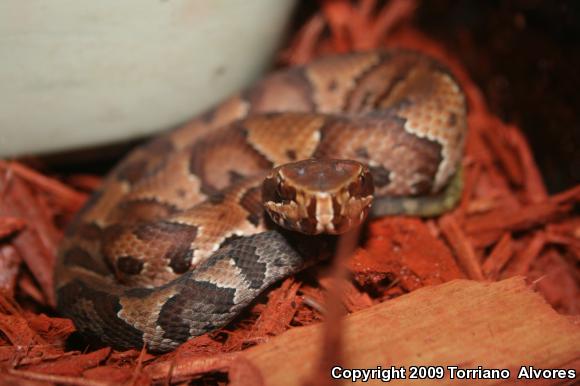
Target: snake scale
(176, 242)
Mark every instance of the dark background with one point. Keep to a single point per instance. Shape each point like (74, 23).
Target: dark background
(525, 57)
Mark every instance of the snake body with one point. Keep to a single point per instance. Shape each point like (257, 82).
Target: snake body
(176, 243)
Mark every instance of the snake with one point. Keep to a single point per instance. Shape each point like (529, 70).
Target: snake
(189, 228)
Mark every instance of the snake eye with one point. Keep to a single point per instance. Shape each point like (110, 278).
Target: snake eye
(285, 192)
(270, 189)
(275, 189)
(367, 185)
(363, 186)
(279, 191)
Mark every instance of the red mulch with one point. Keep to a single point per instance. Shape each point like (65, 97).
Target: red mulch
(506, 224)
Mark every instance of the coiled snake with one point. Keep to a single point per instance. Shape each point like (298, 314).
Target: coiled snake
(176, 243)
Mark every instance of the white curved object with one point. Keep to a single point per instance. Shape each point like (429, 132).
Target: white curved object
(77, 73)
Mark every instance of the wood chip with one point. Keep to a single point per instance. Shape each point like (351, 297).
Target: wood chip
(462, 247)
(498, 257)
(521, 263)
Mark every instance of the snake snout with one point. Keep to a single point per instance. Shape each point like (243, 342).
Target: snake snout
(317, 196)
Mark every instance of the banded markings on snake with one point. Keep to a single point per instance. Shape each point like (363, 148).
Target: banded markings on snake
(176, 242)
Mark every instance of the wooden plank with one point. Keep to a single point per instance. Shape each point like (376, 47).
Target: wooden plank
(460, 323)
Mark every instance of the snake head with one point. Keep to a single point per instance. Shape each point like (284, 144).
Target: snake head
(317, 196)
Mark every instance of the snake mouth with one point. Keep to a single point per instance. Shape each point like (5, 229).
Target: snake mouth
(317, 196)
